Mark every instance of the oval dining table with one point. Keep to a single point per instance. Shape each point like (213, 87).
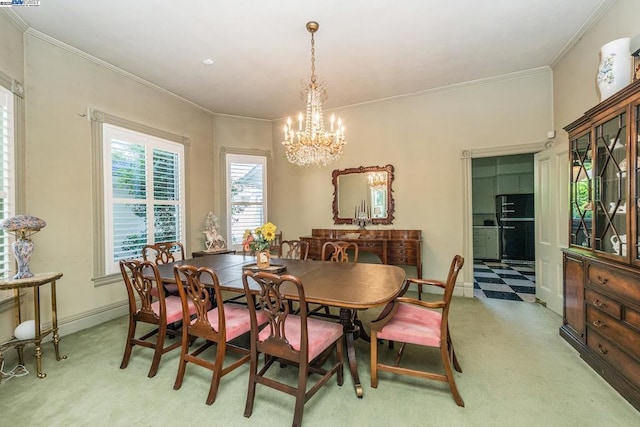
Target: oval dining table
(347, 286)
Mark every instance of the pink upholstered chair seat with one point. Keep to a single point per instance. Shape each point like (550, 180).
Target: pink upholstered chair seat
(321, 334)
(174, 308)
(236, 320)
(414, 325)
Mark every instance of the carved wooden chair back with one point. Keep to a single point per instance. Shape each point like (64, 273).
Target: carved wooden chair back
(148, 304)
(163, 252)
(200, 288)
(412, 321)
(276, 243)
(294, 249)
(340, 251)
(288, 337)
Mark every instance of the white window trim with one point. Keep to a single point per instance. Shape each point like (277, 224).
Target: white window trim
(98, 118)
(17, 89)
(226, 216)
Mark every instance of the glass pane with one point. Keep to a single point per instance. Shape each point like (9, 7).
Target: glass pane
(611, 191)
(581, 191)
(129, 230)
(166, 223)
(247, 198)
(637, 172)
(166, 175)
(128, 170)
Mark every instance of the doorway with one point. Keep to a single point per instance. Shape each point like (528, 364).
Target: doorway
(503, 227)
(550, 212)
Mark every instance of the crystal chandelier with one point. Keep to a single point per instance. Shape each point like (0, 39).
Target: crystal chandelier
(311, 144)
(377, 180)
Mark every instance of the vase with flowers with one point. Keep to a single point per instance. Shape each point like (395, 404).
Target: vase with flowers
(259, 241)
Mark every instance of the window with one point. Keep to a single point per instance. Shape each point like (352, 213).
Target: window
(11, 170)
(139, 191)
(7, 199)
(246, 179)
(143, 191)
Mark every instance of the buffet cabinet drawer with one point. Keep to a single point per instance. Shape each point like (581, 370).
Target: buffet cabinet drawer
(614, 281)
(614, 330)
(615, 357)
(603, 303)
(401, 260)
(402, 245)
(403, 252)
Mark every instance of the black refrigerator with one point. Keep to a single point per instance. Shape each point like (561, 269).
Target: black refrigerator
(515, 215)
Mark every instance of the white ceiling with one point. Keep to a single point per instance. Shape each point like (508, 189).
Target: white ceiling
(365, 50)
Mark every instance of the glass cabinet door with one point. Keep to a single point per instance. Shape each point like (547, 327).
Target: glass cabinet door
(581, 191)
(610, 189)
(637, 182)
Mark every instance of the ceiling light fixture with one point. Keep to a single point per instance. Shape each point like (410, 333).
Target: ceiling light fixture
(207, 61)
(377, 180)
(311, 144)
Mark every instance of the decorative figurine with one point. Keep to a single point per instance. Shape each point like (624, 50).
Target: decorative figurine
(215, 241)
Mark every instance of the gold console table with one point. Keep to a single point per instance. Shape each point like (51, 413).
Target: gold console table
(34, 282)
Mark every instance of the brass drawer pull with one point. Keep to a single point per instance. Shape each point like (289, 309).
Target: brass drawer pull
(598, 303)
(602, 349)
(599, 324)
(602, 280)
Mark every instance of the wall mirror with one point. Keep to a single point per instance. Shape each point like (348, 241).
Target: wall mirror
(371, 184)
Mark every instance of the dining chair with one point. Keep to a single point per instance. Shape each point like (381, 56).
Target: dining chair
(337, 251)
(340, 251)
(276, 243)
(148, 304)
(421, 323)
(164, 253)
(288, 338)
(199, 287)
(294, 249)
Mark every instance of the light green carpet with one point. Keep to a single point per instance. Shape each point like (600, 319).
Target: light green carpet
(517, 371)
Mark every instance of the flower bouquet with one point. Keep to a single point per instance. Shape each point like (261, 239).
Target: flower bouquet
(259, 241)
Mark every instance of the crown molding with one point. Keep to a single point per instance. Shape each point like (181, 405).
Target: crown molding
(593, 19)
(469, 83)
(15, 19)
(75, 51)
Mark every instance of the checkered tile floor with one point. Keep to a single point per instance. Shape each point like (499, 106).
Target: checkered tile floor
(515, 282)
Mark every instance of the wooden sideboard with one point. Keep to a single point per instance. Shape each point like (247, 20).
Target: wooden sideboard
(394, 247)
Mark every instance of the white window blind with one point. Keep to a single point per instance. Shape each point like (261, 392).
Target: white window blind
(7, 170)
(246, 194)
(144, 193)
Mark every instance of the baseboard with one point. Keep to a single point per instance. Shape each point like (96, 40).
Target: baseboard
(69, 325)
(91, 318)
(464, 289)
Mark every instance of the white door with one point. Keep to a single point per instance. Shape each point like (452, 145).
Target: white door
(551, 210)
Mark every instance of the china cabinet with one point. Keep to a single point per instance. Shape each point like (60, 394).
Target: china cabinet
(601, 266)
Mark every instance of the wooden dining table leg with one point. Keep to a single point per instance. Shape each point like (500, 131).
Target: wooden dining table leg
(351, 332)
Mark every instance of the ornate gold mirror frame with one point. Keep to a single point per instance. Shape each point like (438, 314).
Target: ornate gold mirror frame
(371, 184)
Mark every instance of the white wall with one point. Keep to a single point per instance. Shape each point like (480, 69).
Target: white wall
(422, 137)
(11, 49)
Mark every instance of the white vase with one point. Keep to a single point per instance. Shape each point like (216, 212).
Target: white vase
(614, 72)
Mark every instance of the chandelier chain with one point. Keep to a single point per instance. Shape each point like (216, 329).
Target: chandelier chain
(313, 60)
